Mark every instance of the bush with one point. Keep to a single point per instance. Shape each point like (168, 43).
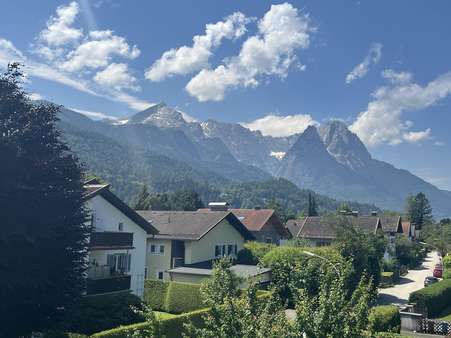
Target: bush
(56, 334)
(387, 278)
(183, 297)
(447, 267)
(391, 265)
(384, 319)
(253, 252)
(155, 294)
(102, 312)
(171, 327)
(434, 298)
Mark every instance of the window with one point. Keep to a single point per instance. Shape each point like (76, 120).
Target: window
(152, 248)
(217, 251)
(160, 275)
(119, 262)
(161, 249)
(235, 249)
(230, 249)
(268, 240)
(155, 249)
(121, 226)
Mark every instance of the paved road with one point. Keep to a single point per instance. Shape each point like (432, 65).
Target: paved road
(414, 280)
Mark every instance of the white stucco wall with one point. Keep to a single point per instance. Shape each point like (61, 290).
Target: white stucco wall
(158, 262)
(204, 249)
(107, 218)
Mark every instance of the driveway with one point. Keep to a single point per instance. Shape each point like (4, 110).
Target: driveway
(413, 281)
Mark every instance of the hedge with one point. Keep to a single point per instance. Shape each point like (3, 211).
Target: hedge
(253, 252)
(101, 312)
(155, 294)
(447, 267)
(171, 327)
(434, 298)
(384, 318)
(183, 297)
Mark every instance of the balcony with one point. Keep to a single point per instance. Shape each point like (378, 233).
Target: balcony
(101, 279)
(111, 240)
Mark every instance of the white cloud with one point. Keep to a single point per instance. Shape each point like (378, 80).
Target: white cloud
(94, 114)
(281, 31)
(279, 126)
(396, 77)
(59, 30)
(383, 122)
(35, 96)
(98, 50)
(373, 57)
(185, 60)
(116, 76)
(417, 136)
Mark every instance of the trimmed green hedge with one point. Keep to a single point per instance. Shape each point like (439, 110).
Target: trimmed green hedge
(434, 298)
(447, 267)
(384, 319)
(155, 294)
(172, 297)
(171, 327)
(183, 297)
(101, 312)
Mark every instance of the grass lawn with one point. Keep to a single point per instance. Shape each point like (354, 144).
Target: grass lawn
(446, 314)
(163, 315)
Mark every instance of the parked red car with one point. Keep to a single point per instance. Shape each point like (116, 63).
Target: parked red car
(438, 271)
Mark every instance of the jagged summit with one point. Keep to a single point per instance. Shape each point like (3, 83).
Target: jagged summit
(344, 145)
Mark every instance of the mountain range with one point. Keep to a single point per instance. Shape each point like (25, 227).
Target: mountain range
(330, 159)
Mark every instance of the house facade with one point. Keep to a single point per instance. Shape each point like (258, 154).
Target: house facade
(264, 224)
(191, 239)
(117, 244)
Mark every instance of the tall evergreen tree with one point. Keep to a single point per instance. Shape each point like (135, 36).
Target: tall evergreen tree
(142, 201)
(419, 210)
(43, 232)
(312, 206)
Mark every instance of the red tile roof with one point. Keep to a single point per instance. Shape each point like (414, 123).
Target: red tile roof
(253, 219)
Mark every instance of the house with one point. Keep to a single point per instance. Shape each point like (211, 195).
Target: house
(191, 239)
(264, 224)
(391, 225)
(322, 230)
(259, 275)
(408, 230)
(117, 243)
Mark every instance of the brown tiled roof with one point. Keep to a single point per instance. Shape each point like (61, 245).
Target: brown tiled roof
(294, 225)
(190, 225)
(391, 223)
(319, 227)
(253, 219)
(95, 188)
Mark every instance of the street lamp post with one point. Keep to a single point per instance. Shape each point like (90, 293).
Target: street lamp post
(311, 254)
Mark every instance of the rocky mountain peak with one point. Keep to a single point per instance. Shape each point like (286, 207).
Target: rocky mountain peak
(344, 145)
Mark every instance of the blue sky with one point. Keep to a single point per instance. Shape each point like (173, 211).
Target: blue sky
(383, 67)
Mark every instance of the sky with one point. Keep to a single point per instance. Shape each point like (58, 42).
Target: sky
(382, 67)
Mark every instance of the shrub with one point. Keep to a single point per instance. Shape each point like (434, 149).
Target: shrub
(102, 312)
(384, 319)
(155, 294)
(253, 252)
(391, 265)
(171, 327)
(183, 297)
(434, 298)
(447, 267)
(387, 278)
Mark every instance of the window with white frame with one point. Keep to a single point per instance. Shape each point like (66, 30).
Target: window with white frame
(222, 250)
(156, 249)
(119, 262)
(160, 275)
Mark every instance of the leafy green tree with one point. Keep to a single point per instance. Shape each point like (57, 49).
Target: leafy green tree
(153, 328)
(330, 312)
(407, 253)
(312, 206)
(365, 251)
(344, 208)
(142, 201)
(238, 313)
(43, 236)
(419, 210)
(438, 236)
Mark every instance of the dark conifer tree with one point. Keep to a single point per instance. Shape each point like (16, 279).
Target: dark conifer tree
(43, 232)
(142, 201)
(312, 206)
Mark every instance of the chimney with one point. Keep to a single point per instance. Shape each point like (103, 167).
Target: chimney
(218, 206)
(374, 213)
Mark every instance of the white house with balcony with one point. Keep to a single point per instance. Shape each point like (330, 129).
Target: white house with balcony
(117, 244)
